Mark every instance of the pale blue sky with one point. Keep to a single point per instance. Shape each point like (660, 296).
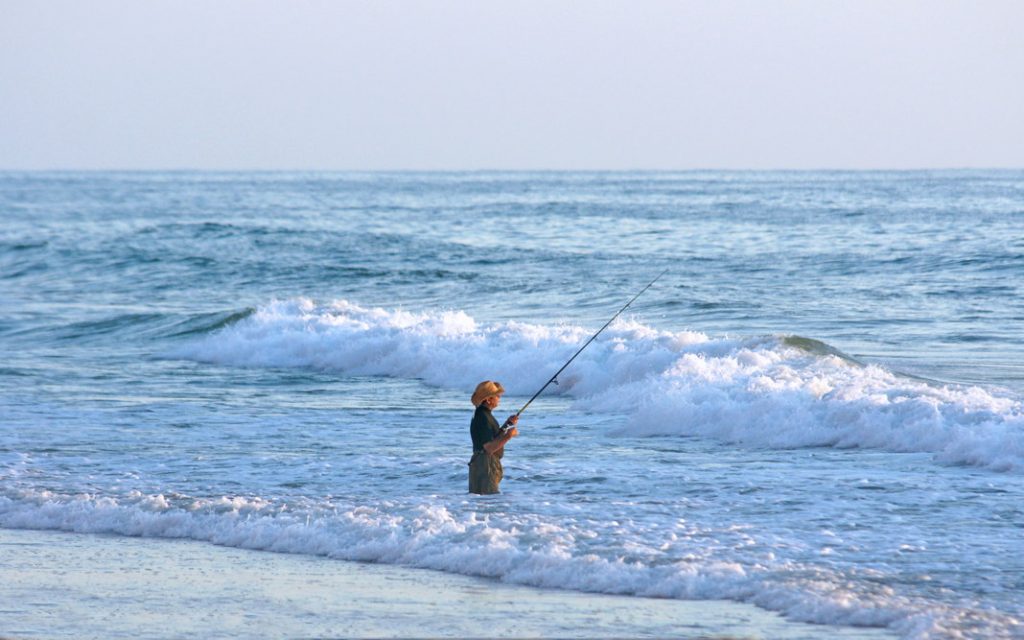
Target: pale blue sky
(293, 84)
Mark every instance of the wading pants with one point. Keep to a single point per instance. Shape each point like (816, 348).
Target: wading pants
(485, 473)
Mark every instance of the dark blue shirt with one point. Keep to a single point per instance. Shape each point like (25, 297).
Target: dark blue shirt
(483, 428)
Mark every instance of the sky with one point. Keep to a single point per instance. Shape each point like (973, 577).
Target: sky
(478, 84)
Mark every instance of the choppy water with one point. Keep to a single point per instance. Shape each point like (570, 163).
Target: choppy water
(818, 409)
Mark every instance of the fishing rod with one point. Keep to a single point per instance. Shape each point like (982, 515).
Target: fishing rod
(554, 378)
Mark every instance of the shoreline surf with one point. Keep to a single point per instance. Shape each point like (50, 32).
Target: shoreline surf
(63, 585)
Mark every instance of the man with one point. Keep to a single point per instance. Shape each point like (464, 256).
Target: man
(489, 440)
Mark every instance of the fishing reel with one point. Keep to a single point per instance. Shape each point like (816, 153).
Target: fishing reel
(506, 426)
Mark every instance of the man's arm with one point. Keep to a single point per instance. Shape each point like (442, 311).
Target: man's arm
(496, 445)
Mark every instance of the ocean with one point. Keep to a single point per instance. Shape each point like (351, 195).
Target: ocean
(817, 410)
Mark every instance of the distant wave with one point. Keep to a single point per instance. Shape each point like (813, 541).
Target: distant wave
(771, 391)
(208, 322)
(90, 329)
(121, 326)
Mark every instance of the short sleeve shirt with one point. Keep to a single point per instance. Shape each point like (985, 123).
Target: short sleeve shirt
(483, 428)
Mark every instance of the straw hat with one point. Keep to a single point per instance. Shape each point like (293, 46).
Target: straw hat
(485, 390)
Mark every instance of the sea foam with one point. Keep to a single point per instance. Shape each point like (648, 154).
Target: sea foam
(770, 391)
(458, 538)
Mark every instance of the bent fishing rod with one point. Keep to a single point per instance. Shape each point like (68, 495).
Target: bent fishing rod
(554, 378)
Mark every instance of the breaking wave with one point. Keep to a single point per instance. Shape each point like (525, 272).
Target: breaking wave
(457, 538)
(770, 391)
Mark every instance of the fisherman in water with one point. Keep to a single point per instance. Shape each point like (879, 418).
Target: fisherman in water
(488, 439)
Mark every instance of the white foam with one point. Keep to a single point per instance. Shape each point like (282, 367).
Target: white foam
(459, 538)
(757, 391)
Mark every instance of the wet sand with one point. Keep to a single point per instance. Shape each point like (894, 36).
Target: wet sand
(65, 585)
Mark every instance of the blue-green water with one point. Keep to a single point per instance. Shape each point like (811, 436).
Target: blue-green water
(817, 409)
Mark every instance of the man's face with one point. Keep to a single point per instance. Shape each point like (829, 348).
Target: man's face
(492, 402)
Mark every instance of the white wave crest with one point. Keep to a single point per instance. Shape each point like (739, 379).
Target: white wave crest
(457, 538)
(757, 391)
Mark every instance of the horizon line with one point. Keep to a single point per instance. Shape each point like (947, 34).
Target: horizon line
(512, 170)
